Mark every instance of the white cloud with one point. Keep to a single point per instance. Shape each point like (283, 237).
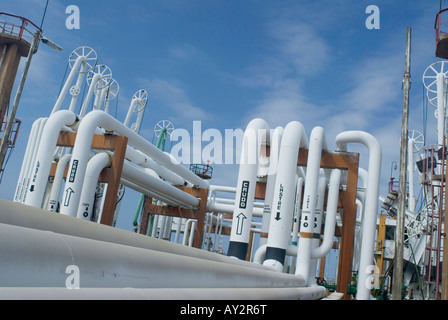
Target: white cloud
(171, 94)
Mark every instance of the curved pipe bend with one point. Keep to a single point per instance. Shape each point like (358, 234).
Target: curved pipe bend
(371, 203)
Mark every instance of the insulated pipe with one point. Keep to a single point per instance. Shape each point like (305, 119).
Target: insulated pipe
(276, 139)
(35, 258)
(134, 102)
(31, 144)
(30, 217)
(257, 133)
(441, 95)
(95, 79)
(143, 160)
(57, 182)
(80, 60)
(96, 164)
(78, 85)
(322, 186)
(371, 204)
(330, 219)
(29, 169)
(294, 138)
(81, 149)
(317, 144)
(260, 294)
(213, 206)
(45, 154)
(146, 191)
(147, 177)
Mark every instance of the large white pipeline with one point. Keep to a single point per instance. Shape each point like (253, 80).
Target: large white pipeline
(317, 144)
(260, 294)
(256, 135)
(35, 258)
(276, 139)
(371, 204)
(82, 147)
(44, 156)
(294, 138)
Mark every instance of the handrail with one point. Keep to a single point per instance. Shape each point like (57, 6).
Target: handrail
(438, 23)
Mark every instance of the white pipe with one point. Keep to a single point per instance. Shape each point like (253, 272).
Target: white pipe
(411, 198)
(441, 93)
(31, 144)
(294, 138)
(147, 177)
(150, 193)
(44, 155)
(96, 164)
(35, 258)
(371, 204)
(78, 85)
(35, 218)
(134, 102)
(276, 139)
(317, 144)
(260, 294)
(143, 160)
(80, 60)
(82, 146)
(322, 186)
(57, 182)
(296, 222)
(95, 79)
(247, 175)
(213, 206)
(330, 219)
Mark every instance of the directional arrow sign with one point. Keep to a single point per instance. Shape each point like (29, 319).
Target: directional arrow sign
(239, 227)
(68, 195)
(277, 216)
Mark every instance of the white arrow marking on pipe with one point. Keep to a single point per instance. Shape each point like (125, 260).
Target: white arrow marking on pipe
(239, 227)
(68, 194)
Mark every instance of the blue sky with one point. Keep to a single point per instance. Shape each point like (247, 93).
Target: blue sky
(227, 62)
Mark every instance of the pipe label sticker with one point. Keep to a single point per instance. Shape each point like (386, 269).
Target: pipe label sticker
(73, 171)
(243, 195)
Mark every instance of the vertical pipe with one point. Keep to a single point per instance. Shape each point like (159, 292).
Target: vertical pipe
(27, 158)
(80, 60)
(294, 138)
(317, 144)
(330, 220)
(270, 183)
(322, 185)
(57, 182)
(256, 134)
(44, 156)
(371, 204)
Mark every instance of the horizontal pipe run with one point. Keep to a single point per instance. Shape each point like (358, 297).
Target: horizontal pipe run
(22, 215)
(29, 293)
(82, 147)
(36, 258)
(153, 182)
